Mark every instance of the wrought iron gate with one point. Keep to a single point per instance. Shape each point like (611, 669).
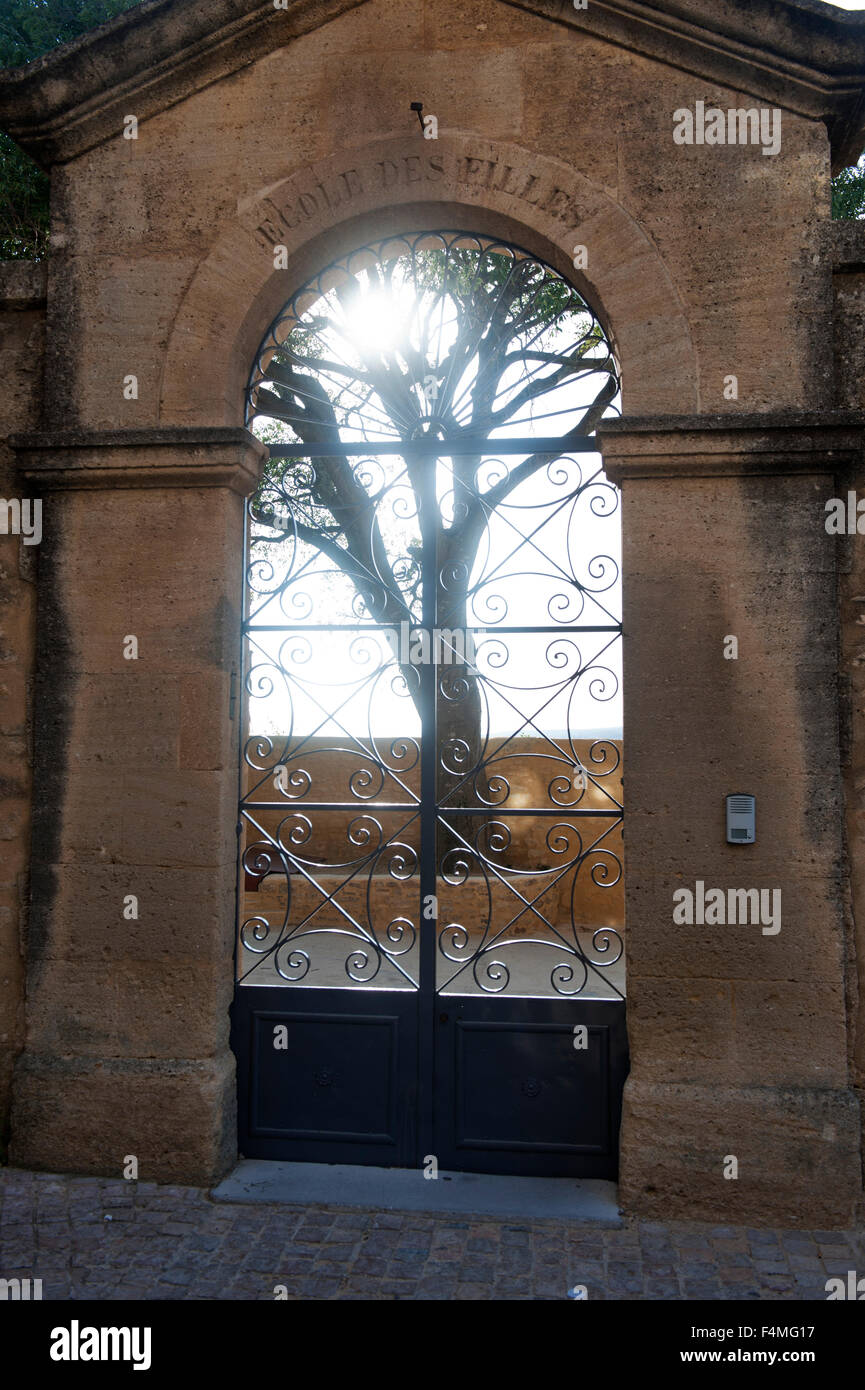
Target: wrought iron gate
(445, 987)
(429, 959)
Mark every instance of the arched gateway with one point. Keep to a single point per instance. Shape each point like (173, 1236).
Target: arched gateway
(271, 145)
(430, 958)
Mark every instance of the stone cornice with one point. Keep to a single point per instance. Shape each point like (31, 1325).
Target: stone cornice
(156, 458)
(801, 55)
(695, 446)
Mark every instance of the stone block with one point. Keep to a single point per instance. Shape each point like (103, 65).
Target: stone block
(130, 719)
(737, 1033)
(676, 1138)
(177, 1118)
(130, 1008)
(808, 947)
(181, 913)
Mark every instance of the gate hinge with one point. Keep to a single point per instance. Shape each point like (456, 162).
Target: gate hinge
(232, 695)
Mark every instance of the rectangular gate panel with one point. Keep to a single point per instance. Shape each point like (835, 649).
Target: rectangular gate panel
(325, 1079)
(513, 1084)
(514, 1093)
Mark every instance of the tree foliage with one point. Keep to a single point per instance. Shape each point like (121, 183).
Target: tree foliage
(848, 192)
(29, 28)
(23, 205)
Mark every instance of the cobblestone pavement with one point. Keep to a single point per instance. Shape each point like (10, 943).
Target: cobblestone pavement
(107, 1239)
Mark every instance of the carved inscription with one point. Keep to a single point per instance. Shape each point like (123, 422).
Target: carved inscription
(292, 208)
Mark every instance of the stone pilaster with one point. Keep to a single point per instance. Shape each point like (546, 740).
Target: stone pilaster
(739, 1036)
(133, 874)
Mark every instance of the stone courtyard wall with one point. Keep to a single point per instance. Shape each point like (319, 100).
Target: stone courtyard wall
(702, 264)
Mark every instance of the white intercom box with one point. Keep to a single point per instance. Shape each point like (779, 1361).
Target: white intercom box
(741, 819)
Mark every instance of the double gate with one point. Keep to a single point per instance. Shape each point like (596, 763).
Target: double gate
(430, 961)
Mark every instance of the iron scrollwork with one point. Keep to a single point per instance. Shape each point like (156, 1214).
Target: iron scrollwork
(354, 554)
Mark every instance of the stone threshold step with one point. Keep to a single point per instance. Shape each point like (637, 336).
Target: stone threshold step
(255, 1180)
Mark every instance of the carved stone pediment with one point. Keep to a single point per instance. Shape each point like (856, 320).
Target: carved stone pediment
(805, 57)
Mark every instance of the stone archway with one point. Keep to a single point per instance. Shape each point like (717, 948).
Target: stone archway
(321, 210)
(432, 885)
(326, 209)
(187, 475)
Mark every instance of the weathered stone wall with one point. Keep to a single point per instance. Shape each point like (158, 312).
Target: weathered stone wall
(848, 250)
(127, 1010)
(22, 306)
(525, 108)
(739, 1034)
(704, 264)
(846, 246)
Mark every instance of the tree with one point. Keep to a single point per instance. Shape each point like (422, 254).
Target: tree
(452, 337)
(29, 28)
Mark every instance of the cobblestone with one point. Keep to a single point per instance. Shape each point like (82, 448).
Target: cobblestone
(175, 1243)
